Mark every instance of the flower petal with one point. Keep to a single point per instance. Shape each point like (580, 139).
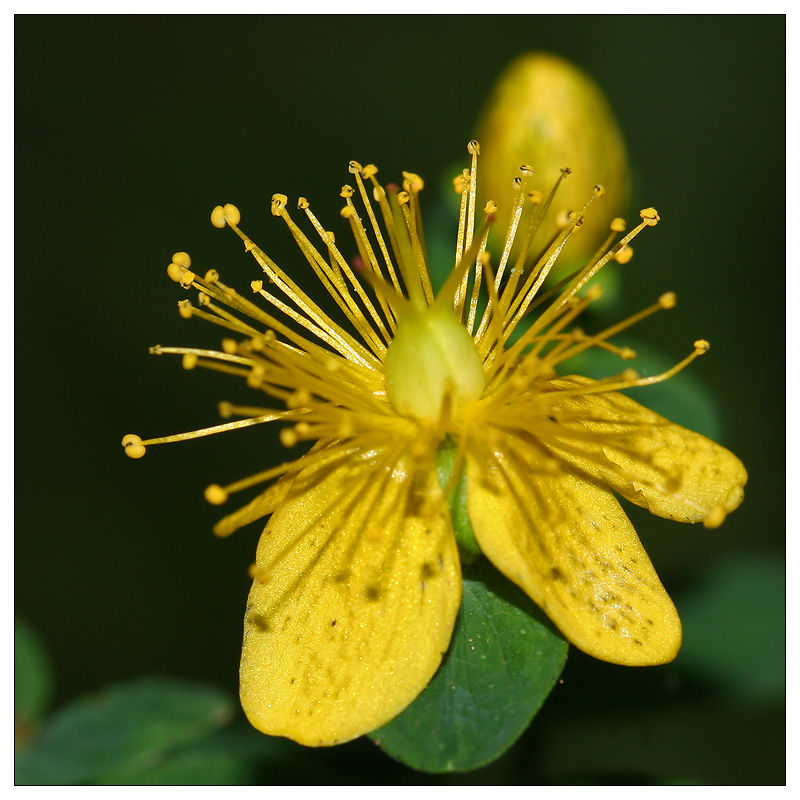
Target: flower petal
(569, 545)
(669, 470)
(357, 586)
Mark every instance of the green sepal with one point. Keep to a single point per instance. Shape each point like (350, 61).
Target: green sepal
(468, 548)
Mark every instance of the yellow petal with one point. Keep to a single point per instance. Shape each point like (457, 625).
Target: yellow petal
(357, 586)
(569, 545)
(669, 470)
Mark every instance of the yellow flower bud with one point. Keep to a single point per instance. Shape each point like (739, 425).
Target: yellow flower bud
(546, 112)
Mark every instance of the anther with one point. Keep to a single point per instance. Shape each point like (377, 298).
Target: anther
(302, 203)
(230, 346)
(624, 255)
(186, 279)
(256, 286)
(211, 276)
(369, 171)
(215, 495)
(175, 272)
(133, 445)
(527, 170)
(566, 171)
(535, 196)
(180, 263)
(222, 215)
(345, 429)
(668, 300)
(255, 377)
(490, 208)
(185, 308)
(189, 361)
(715, 517)
(258, 574)
(701, 346)
(473, 148)
(347, 191)
(298, 399)
(278, 204)
(650, 216)
(618, 225)
(225, 409)
(413, 182)
(354, 167)
(599, 190)
(594, 292)
(347, 212)
(288, 437)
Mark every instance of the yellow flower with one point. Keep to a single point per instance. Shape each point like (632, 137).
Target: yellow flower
(357, 580)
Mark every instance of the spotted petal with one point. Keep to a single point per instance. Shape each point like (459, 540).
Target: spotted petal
(569, 545)
(669, 470)
(357, 586)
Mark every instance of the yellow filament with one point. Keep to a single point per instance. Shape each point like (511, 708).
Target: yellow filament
(131, 442)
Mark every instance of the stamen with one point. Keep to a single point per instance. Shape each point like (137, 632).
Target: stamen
(135, 446)
(630, 379)
(369, 172)
(312, 317)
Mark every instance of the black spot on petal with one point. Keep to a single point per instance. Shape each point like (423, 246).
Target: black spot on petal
(258, 621)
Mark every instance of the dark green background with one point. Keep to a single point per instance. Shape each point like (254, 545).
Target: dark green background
(130, 129)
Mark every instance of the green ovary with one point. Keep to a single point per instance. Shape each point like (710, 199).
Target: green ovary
(432, 353)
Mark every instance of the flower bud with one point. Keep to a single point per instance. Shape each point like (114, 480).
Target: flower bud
(546, 112)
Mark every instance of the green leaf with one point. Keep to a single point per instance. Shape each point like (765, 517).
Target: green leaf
(503, 661)
(33, 680)
(128, 728)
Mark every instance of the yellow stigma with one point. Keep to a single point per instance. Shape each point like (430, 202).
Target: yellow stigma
(432, 355)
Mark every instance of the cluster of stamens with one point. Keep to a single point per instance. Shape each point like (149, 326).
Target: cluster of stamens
(347, 383)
